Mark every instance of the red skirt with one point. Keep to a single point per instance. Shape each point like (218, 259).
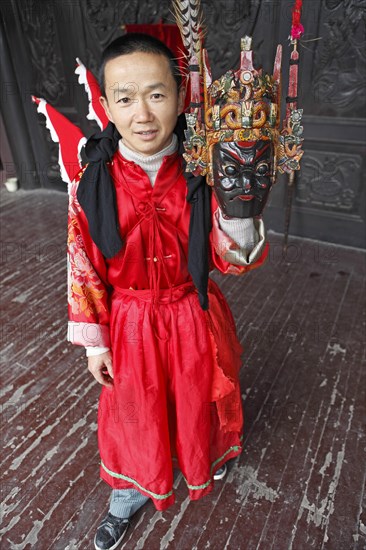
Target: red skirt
(176, 393)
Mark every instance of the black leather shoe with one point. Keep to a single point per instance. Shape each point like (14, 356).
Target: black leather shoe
(110, 532)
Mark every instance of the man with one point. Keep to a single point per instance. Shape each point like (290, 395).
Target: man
(164, 350)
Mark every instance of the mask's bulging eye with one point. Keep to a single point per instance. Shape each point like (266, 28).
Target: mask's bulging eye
(230, 170)
(262, 169)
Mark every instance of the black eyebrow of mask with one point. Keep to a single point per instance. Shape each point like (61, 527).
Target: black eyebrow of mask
(227, 157)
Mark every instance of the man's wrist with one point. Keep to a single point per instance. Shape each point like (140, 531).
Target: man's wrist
(95, 350)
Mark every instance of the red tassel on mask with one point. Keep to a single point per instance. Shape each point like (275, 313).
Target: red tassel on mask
(297, 29)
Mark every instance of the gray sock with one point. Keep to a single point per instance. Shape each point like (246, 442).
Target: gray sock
(125, 502)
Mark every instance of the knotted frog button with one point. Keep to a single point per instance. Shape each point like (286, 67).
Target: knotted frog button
(144, 208)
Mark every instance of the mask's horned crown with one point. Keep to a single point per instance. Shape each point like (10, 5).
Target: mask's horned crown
(243, 99)
(242, 105)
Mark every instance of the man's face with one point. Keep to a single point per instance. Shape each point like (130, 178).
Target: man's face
(242, 176)
(142, 100)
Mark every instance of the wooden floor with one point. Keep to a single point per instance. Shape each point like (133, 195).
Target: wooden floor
(300, 482)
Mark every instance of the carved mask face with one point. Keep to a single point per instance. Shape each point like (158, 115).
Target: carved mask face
(242, 176)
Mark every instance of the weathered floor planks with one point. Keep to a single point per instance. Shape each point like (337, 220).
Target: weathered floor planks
(300, 482)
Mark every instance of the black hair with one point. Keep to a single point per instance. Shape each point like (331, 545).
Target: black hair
(137, 42)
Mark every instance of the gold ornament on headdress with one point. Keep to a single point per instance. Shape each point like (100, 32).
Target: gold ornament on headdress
(242, 105)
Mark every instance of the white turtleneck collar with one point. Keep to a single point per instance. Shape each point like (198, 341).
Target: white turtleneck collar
(151, 164)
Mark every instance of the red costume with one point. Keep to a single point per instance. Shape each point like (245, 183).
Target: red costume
(176, 393)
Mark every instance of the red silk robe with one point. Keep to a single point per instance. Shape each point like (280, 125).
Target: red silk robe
(176, 394)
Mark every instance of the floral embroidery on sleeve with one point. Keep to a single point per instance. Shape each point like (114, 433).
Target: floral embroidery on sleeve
(86, 292)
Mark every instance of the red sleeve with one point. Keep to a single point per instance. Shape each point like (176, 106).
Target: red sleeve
(87, 281)
(226, 254)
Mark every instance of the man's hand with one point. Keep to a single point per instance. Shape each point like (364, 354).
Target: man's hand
(101, 368)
